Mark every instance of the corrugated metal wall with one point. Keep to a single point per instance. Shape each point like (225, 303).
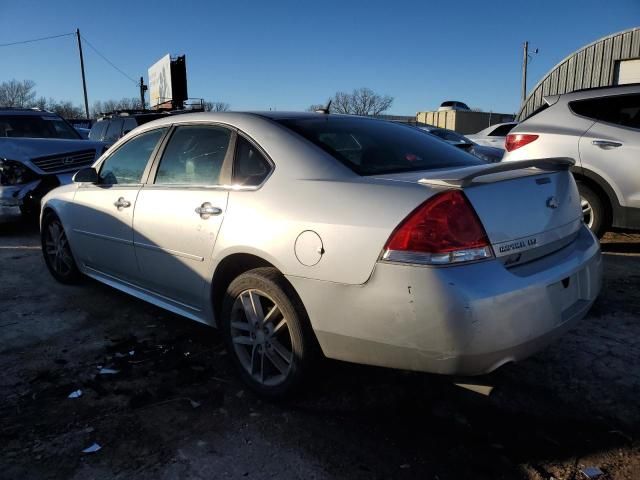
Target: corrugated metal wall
(591, 66)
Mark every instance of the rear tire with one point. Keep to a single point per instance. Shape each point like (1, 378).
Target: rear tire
(267, 332)
(57, 251)
(593, 210)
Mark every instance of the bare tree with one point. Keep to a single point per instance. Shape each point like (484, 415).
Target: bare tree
(362, 101)
(17, 94)
(65, 109)
(105, 106)
(216, 107)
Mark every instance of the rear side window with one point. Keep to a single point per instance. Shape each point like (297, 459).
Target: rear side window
(621, 110)
(114, 130)
(98, 130)
(502, 130)
(371, 147)
(127, 163)
(250, 168)
(194, 156)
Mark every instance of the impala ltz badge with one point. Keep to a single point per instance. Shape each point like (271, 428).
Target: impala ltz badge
(552, 202)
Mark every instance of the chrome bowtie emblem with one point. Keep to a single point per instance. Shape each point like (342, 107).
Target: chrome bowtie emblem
(67, 160)
(552, 202)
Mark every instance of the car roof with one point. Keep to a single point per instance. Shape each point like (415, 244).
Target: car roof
(601, 91)
(26, 112)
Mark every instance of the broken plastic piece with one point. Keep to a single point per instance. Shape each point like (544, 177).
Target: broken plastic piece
(108, 371)
(592, 472)
(75, 394)
(194, 404)
(92, 449)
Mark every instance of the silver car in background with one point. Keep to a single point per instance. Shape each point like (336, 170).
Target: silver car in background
(600, 129)
(493, 136)
(361, 239)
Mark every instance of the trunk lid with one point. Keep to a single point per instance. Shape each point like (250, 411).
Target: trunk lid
(528, 210)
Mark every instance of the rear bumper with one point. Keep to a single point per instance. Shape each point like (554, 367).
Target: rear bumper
(463, 320)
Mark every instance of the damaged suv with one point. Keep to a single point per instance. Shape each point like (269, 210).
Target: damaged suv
(39, 151)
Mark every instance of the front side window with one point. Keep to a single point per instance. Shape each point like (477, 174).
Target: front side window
(113, 130)
(194, 156)
(250, 168)
(127, 163)
(621, 110)
(371, 147)
(98, 130)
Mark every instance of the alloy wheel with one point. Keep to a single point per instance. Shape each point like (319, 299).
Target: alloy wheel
(57, 249)
(587, 212)
(261, 337)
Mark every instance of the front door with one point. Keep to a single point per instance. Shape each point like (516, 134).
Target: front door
(179, 212)
(102, 219)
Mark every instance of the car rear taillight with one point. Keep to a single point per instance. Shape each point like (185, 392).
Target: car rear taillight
(443, 230)
(517, 140)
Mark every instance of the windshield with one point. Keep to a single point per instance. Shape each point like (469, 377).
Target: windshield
(36, 126)
(371, 147)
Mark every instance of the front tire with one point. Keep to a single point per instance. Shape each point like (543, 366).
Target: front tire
(267, 332)
(57, 251)
(594, 211)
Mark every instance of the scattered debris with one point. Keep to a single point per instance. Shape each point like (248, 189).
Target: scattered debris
(476, 388)
(240, 394)
(591, 472)
(92, 449)
(194, 404)
(75, 394)
(108, 371)
(405, 466)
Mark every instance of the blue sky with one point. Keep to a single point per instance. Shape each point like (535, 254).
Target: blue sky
(290, 54)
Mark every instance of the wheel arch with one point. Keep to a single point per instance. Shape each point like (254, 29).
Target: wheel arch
(229, 268)
(602, 188)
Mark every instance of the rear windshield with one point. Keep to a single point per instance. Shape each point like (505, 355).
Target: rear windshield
(36, 126)
(372, 147)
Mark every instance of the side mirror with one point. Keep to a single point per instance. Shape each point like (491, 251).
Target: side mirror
(86, 175)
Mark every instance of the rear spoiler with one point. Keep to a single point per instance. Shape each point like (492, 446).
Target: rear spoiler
(556, 164)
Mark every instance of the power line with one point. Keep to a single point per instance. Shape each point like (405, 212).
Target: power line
(107, 60)
(36, 39)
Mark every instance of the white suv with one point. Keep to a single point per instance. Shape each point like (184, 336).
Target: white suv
(600, 129)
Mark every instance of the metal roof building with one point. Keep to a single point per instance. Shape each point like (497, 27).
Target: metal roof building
(612, 60)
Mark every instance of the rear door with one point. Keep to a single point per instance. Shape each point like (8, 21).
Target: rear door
(102, 220)
(611, 147)
(179, 212)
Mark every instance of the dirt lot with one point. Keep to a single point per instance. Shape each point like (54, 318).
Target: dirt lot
(177, 410)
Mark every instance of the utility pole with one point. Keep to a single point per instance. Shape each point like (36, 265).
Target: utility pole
(143, 88)
(525, 60)
(84, 81)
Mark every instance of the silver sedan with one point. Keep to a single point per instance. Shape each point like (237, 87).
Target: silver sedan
(307, 234)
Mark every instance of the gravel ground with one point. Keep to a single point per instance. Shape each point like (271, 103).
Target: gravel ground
(177, 410)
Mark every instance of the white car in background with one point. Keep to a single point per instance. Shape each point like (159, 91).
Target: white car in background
(600, 129)
(493, 136)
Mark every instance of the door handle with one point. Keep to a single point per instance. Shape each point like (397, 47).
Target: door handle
(121, 203)
(206, 210)
(606, 144)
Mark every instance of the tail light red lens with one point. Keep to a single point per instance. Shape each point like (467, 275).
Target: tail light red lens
(517, 140)
(444, 229)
